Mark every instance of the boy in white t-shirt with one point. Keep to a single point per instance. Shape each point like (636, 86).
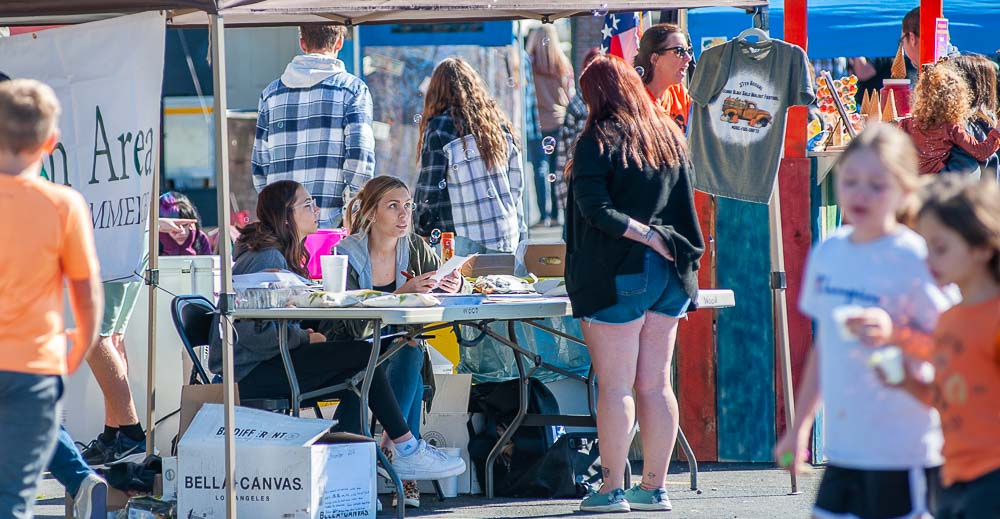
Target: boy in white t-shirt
(883, 446)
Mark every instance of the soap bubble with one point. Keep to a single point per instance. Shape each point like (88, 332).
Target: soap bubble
(552, 177)
(641, 71)
(443, 184)
(435, 236)
(601, 11)
(511, 82)
(549, 145)
(417, 118)
(545, 42)
(491, 193)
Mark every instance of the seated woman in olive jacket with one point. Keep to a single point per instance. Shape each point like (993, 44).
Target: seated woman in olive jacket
(383, 254)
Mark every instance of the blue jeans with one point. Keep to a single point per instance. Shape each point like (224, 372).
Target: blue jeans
(404, 373)
(543, 164)
(67, 464)
(466, 247)
(658, 288)
(405, 377)
(29, 407)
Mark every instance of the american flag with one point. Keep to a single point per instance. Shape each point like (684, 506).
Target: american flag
(620, 35)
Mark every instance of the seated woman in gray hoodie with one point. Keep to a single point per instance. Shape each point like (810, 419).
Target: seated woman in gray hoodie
(383, 254)
(288, 214)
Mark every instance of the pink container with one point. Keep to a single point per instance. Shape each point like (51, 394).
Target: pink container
(900, 92)
(319, 244)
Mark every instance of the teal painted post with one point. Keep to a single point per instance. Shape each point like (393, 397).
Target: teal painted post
(745, 385)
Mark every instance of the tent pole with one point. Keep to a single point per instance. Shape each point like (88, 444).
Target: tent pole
(780, 309)
(796, 32)
(356, 50)
(216, 27)
(152, 282)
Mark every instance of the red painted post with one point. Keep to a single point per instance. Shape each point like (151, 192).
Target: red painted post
(930, 11)
(696, 353)
(794, 192)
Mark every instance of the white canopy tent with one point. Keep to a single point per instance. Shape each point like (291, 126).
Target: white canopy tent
(218, 14)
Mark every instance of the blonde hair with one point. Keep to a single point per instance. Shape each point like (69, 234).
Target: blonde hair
(457, 89)
(897, 155)
(29, 112)
(358, 211)
(942, 97)
(969, 207)
(547, 57)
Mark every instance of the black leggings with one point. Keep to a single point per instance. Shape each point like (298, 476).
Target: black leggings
(324, 364)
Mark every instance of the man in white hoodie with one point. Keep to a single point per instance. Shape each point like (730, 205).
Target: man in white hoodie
(314, 125)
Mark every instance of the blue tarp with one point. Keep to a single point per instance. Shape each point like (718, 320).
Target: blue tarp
(847, 28)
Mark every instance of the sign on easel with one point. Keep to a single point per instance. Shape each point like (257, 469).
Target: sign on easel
(108, 76)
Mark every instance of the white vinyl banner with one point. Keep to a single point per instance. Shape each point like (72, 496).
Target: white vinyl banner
(108, 77)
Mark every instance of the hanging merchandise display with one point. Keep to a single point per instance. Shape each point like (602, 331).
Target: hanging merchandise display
(741, 91)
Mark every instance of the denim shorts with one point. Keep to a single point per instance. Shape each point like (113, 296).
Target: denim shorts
(657, 289)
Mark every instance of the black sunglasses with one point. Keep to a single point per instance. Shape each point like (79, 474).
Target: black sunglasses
(678, 51)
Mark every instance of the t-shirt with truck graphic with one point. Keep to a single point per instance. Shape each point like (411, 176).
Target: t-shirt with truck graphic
(741, 92)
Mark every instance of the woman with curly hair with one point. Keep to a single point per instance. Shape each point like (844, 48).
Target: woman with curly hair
(470, 179)
(941, 109)
(980, 74)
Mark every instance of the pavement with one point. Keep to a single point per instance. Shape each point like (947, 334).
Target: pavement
(750, 491)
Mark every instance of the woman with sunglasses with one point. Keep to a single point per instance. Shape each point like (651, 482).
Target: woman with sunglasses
(287, 215)
(664, 56)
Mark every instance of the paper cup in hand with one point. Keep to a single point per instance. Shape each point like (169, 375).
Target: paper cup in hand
(889, 361)
(841, 314)
(334, 273)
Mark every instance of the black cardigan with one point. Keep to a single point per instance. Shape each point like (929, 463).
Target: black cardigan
(603, 196)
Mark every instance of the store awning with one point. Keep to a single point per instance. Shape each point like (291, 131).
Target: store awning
(847, 28)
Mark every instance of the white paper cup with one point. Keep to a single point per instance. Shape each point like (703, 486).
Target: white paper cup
(334, 273)
(449, 486)
(841, 314)
(889, 361)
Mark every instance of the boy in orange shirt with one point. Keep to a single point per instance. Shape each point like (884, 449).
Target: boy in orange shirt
(48, 241)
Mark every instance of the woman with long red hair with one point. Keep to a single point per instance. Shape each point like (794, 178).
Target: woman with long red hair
(631, 214)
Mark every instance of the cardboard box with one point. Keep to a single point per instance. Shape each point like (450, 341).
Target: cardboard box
(451, 393)
(169, 476)
(446, 426)
(286, 467)
(545, 260)
(193, 396)
(450, 430)
(488, 265)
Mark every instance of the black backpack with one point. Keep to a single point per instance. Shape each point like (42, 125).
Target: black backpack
(571, 468)
(530, 465)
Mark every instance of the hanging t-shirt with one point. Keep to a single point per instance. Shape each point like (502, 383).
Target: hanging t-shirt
(869, 425)
(741, 92)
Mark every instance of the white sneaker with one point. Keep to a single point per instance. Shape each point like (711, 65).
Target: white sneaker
(91, 501)
(427, 463)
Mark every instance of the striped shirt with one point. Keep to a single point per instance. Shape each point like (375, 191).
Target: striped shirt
(456, 193)
(320, 137)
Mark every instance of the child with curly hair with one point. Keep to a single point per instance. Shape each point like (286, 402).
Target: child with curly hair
(940, 110)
